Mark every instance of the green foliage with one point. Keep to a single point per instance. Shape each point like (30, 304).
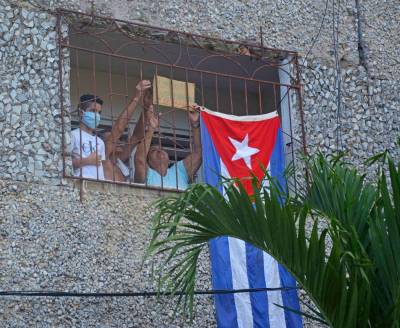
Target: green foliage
(347, 263)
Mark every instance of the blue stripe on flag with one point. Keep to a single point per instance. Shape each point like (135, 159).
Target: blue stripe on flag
(277, 160)
(289, 298)
(211, 159)
(222, 279)
(255, 273)
(219, 247)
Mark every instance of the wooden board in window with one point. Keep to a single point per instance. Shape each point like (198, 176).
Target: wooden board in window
(163, 95)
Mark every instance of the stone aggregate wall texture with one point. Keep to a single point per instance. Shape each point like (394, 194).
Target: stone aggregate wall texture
(49, 240)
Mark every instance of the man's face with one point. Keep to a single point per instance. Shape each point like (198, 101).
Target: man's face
(93, 107)
(243, 50)
(158, 159)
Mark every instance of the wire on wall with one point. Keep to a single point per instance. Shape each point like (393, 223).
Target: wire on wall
(140, 294)
(338, 76)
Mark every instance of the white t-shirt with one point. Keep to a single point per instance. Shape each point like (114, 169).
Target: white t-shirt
(88, 145)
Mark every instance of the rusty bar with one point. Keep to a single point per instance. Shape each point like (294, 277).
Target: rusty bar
(159, 125)
(245, 97)
(303, 132)
(216, 93)
(126, 106)
(112, 116)
(275, 104)
(174, 66)
(187, 90)
(230, 95)
(298, 84)
(202, 89)
(173, 127)
(189, 124)
(291, 138)
(60, 79)
(126, 88)
(79, 117)
(95, 95)
(143, 116)
(78, 77)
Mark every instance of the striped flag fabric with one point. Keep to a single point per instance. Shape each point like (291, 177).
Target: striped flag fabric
(234, 146)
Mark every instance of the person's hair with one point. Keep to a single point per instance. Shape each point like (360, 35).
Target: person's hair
(154, 144)
(87, 99)
(253, 53)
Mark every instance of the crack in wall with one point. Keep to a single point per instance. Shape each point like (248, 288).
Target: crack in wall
(362, 52)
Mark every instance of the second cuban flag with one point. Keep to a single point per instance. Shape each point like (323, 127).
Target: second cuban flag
(235, 146)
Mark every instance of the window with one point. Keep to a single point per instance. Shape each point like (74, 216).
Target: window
(108, 58)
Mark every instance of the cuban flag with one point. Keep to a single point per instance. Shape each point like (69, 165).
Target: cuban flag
(233, 146)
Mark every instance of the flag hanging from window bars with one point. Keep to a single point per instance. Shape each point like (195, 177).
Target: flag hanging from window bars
(232, 147)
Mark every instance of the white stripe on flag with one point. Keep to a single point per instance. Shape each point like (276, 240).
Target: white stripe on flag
(265, 182)
(224, 173)
(272, 280)
(247, 118)
(237, 254)
(237, 250)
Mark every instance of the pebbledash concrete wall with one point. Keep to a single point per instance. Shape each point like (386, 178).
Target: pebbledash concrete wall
(49, 240)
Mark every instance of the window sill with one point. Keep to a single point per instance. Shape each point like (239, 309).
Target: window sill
(121, 188)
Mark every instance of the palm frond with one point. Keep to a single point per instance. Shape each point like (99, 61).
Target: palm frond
(346, 264)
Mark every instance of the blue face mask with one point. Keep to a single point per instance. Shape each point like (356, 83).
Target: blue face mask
(91, 119)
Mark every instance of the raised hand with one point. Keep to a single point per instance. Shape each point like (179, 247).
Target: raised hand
(141, 87)
(194, 115)
(93, 159)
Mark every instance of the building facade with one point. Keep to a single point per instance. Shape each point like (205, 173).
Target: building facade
(63, 235)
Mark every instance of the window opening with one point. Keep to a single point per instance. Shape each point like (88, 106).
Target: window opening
(108, 58)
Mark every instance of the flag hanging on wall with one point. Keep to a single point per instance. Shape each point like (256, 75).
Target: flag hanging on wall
(234, 146)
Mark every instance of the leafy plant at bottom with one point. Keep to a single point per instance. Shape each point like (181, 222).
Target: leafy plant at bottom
(347, 263)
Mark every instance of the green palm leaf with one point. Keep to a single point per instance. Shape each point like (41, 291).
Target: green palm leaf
(347, 263)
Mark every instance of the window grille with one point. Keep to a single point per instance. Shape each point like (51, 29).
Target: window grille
(107, 57)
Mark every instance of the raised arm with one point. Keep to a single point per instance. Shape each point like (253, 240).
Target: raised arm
(122, 121)
(192, 162)
(134, 138)
(143, 148)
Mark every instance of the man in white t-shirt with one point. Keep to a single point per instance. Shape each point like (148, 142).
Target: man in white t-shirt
(88, 150)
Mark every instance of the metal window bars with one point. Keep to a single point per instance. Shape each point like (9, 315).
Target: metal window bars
(108, 57)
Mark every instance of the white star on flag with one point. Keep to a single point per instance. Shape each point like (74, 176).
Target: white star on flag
(243, 151)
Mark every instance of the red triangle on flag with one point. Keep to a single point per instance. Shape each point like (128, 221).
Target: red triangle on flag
(244, 143)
